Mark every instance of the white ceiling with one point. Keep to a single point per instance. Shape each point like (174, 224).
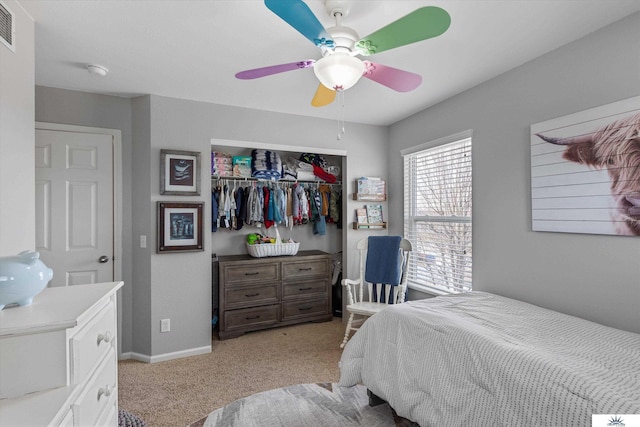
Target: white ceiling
(192, 49)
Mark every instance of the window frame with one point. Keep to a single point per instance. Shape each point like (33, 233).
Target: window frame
(411, 219)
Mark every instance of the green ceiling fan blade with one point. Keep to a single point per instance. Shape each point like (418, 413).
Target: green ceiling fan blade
(421, 24)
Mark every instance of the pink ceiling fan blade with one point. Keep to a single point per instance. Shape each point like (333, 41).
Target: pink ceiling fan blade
(393, 78)
(274, 69)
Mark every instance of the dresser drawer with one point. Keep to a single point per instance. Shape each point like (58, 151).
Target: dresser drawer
(251, 317)
(251, 274)
(91, 343)
(293, 310)
(110, 416)
(264, 294)
(98, 395)
(67, 421)
(292, 290)
(304, 269)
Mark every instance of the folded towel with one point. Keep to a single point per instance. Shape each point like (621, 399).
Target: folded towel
(383, 260)
(266, 164)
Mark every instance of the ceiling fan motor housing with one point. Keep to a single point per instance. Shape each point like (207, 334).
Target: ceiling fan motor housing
(344, 39)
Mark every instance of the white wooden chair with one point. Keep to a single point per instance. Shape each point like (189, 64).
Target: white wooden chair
(365, 304)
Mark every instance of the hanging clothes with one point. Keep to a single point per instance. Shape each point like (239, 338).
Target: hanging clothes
(335, 204)
(267, 208)
(239, 199)
(304, 206)
(245, 205)
(254, 207)
(318, 220)
(277, 198)
(296, 212)
(289, 211)
(325, 192)
(226, 210)
(262, 203)
(214, 209)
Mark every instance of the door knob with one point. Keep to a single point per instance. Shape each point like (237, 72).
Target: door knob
(103, 259)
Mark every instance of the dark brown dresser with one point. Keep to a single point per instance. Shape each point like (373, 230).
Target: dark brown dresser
(261, 293)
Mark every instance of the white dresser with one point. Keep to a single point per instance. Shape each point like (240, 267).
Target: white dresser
(58, 358)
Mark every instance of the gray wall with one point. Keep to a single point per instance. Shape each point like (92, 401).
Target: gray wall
(17, 133)
(177, 286)
(596, 277)
(141, 210)
(180, 285)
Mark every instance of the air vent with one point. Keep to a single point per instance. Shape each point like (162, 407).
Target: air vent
(7, 27)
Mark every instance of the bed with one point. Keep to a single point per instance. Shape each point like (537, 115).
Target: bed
(480, 359)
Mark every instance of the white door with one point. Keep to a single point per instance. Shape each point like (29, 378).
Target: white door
(75, 205)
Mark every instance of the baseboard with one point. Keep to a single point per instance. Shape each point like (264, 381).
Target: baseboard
(166, 356)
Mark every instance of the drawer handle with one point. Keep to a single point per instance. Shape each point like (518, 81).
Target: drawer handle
(305, 269)
(251, 295)
(255, 273)
(305, 289)
(104, 391)
(305, 308)
(106, 337)
(252, 318)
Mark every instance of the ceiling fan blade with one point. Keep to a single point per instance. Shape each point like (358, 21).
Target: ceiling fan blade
(297, 14)
(421, 24)
(393, 78)
(324, 96)
(274, 69)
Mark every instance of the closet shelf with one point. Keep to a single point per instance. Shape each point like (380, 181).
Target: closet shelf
(281, 181)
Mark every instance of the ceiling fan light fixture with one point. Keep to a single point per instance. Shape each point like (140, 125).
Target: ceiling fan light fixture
(339, 71)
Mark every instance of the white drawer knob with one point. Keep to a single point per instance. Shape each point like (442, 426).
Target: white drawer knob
(106, 337)
(104, 391)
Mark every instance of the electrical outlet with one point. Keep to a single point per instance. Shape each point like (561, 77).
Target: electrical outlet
(165, 325)
(143, 241)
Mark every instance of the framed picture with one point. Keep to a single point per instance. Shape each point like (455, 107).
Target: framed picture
(180, 173)
(585, 171)
(180, 227)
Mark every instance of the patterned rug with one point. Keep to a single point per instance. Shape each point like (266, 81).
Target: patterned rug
(127, 419)
(305, 405)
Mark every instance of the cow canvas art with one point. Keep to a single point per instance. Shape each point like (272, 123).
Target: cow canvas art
(585, 171)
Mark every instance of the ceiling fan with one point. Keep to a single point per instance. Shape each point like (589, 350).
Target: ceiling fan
(340, 66)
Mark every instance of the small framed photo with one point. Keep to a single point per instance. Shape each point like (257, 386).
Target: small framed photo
(180, 227)
(180, 172)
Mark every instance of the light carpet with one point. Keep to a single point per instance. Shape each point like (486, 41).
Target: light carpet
(305, 405)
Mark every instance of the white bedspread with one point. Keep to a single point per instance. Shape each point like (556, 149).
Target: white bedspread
(478, 359)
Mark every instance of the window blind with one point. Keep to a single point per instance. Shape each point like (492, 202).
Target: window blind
(437, 217)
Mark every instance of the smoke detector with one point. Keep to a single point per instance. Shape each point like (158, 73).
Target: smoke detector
(98, 70)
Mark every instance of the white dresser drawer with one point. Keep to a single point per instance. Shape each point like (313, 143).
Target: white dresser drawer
(99, 394)
(91, 343)
(67, 421)
(110, 416)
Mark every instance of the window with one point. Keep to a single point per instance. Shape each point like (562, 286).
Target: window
(437, 215)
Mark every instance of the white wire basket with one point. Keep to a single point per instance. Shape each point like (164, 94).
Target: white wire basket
(273, 249)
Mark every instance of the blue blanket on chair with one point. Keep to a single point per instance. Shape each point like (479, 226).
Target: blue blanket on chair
(383, 260)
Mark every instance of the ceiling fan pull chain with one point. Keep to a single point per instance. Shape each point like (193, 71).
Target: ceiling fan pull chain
(341, 130)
